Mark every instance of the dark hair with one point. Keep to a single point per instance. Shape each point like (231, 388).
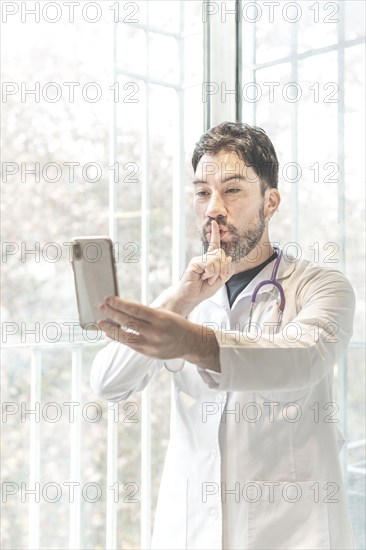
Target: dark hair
(250, 143)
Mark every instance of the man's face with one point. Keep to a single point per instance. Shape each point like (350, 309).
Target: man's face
(229, 192)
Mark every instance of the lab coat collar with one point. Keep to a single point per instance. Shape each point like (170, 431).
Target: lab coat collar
(286, 268)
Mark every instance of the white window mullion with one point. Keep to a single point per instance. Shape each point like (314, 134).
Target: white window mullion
(179, 193)
(145, 474)
(112, 430)
(294, 140)
(112, 192)
(145, 468)
(34, 449)
(112, 455)
(75, 446)
(342, 363)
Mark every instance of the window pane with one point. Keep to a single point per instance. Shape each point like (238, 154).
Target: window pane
(318, 25)
(354, 179)
(131, 47)
(164, 15)
(354, 19)
(93, 459)
(270, 28)
(318, 158)
(15, 384)
(55, 443)
(356, 451)
(159, 45)
(272, 88)
(67, 196)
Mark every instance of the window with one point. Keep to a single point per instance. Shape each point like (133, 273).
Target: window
(111, 154)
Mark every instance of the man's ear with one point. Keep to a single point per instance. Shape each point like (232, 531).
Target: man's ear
(272, 201)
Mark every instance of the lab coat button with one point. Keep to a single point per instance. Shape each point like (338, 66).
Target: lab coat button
(219, 398)
(214, 513)
(214, 453)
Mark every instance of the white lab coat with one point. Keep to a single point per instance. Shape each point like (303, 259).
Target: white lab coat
(252, 461)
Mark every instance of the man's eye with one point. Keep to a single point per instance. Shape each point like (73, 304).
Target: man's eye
(201, 193)
(232, 191)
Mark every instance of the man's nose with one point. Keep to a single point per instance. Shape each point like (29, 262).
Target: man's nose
(216, 206)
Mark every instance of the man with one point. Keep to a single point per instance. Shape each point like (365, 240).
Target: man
(252, 460)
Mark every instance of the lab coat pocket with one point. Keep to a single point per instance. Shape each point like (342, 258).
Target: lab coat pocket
(283, 515)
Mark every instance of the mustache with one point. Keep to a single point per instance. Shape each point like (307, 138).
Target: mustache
(220, 220)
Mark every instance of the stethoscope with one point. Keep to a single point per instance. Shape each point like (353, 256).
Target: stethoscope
(272, 281)
(178, 363)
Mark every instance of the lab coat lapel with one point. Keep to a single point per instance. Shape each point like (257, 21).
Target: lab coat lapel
(286, 268)
(220, 298)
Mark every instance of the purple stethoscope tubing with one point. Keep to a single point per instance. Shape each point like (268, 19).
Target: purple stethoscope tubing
(272, 281)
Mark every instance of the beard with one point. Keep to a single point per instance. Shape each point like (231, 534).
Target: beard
(241, 242)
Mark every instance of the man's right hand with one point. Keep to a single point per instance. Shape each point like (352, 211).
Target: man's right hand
(203, 277)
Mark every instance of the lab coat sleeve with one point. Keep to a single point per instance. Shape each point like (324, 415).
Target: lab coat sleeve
(118, 371)
(302, 352)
